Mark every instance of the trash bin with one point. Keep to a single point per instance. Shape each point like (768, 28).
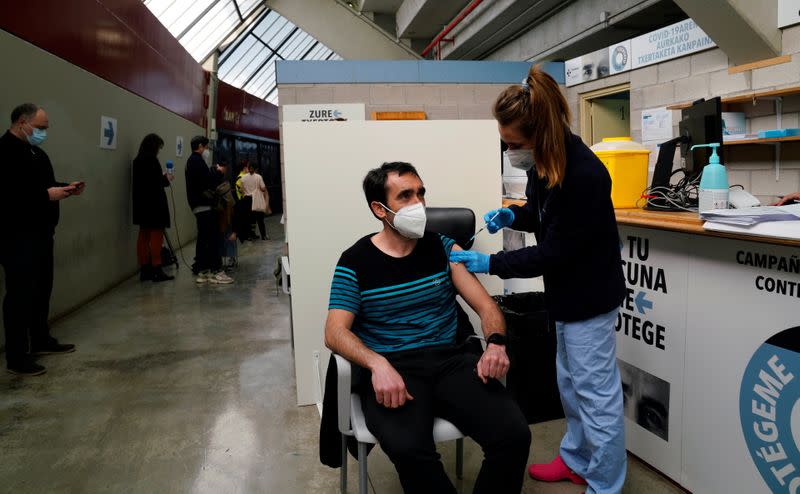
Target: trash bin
(532, 351)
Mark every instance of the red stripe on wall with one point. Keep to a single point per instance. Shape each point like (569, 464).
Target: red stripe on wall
(239, 111)
(118, 40)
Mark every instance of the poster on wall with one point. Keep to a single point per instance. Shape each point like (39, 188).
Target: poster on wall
(179, 146)
(108, 133)
(651, 334)
(656, 124)
(334, 112)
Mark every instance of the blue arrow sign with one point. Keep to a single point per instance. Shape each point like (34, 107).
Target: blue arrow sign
(642, 303)
(109, 133)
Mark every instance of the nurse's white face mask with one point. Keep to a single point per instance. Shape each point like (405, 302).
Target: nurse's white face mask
(409, 221)
(520, 158)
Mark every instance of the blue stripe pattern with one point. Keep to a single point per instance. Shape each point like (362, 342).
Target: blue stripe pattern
(402, 316)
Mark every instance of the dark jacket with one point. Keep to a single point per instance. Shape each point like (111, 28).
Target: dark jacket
(25, 205)
(201, 181)
(150, 208)
(578, 245)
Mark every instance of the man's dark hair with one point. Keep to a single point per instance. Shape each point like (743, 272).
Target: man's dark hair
(150, 146)
(27, 110)
(375, 181)
(198, 141)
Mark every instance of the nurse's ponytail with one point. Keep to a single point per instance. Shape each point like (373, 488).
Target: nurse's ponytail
(540, 112)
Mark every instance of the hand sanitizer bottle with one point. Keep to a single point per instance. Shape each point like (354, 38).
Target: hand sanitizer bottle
(713, 182)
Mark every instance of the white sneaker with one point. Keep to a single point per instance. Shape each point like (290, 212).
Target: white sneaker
(220, 278)
(203, 277)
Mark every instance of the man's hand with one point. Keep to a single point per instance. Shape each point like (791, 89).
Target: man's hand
(390, 390)
(77, 188)
(59, 193)
(494, 363)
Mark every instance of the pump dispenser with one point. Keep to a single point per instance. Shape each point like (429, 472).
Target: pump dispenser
(713, 182)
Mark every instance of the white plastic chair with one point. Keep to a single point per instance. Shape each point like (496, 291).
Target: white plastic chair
(353, 424)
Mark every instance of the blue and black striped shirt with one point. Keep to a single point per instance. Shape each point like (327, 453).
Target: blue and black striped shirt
(399, 303)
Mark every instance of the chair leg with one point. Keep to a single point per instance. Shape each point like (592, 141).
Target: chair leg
(362, 468)
(460, 458)
(343, 484)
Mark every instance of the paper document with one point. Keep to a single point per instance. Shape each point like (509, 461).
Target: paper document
(788, 230)
(752, 216)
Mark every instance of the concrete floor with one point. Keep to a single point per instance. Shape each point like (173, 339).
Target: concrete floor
(180, 388)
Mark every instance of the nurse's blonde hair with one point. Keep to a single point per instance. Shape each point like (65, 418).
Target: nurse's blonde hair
(540, 112)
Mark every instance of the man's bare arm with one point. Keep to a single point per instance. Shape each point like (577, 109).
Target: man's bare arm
(390, 389)
(494, 362)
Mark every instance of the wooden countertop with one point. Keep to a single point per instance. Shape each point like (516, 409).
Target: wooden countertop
(676, 222)
(685, 223)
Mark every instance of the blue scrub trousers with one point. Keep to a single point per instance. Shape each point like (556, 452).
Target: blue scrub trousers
(591, 393)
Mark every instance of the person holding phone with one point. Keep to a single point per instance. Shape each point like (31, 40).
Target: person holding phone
(27, 252)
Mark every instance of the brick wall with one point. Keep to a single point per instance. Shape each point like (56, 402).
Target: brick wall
(705, 75)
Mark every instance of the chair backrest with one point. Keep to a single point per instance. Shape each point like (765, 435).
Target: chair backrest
(456, 223)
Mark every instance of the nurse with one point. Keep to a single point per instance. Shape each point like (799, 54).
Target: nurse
(578, 253)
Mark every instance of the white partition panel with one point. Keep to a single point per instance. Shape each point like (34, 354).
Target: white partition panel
(326, 212)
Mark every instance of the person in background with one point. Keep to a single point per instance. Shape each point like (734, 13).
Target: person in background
(150, 208)
(788, 199)
(578, 253)
(201, 186)
(30, 213)
(253, 186)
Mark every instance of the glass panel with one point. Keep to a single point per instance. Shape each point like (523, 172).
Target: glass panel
(240, 66)
(177, 15)
(211, 30)
(247, 6)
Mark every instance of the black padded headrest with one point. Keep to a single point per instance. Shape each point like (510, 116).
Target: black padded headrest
(456, 223)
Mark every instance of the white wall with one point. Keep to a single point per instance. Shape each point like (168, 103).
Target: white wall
(325, 163)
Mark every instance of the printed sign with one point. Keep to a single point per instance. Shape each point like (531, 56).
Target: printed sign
(656, 124)
(108, 133)
(676, 40)
(179, 146)
(673, 41)
(769, 404)
(788, 12)
(324, 113)
(619, 57)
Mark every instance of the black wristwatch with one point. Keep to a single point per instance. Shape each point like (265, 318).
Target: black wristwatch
(497, 339)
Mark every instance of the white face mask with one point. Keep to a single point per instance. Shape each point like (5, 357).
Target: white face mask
(520, 158)
(207, 156)
(409, 221)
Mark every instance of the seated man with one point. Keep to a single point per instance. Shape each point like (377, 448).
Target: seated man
(393, 312)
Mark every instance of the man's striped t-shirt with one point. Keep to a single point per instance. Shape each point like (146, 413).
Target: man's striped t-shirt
(399, 303)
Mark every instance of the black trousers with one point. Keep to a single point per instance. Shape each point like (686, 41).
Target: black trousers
(444, 383)
(209, 242)
(28, 266)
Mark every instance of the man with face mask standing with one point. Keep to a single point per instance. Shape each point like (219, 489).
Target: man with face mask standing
(27, 252)
(201, 184)
(393, 312)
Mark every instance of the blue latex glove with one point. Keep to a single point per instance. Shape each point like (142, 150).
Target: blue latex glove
(505, 217)
(474, 261)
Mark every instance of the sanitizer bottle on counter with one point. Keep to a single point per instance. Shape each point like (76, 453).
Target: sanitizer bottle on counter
(713, 182)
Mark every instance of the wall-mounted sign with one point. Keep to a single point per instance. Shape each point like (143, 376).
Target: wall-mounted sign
(788, 12)
(673, 41)
(619, 57)
(336, 112)
(179, 146)
(108, 133)
(677, 40)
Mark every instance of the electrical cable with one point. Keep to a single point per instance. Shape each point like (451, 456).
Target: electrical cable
(175, 222)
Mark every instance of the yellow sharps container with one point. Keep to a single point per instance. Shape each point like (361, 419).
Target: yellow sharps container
(626, 161)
